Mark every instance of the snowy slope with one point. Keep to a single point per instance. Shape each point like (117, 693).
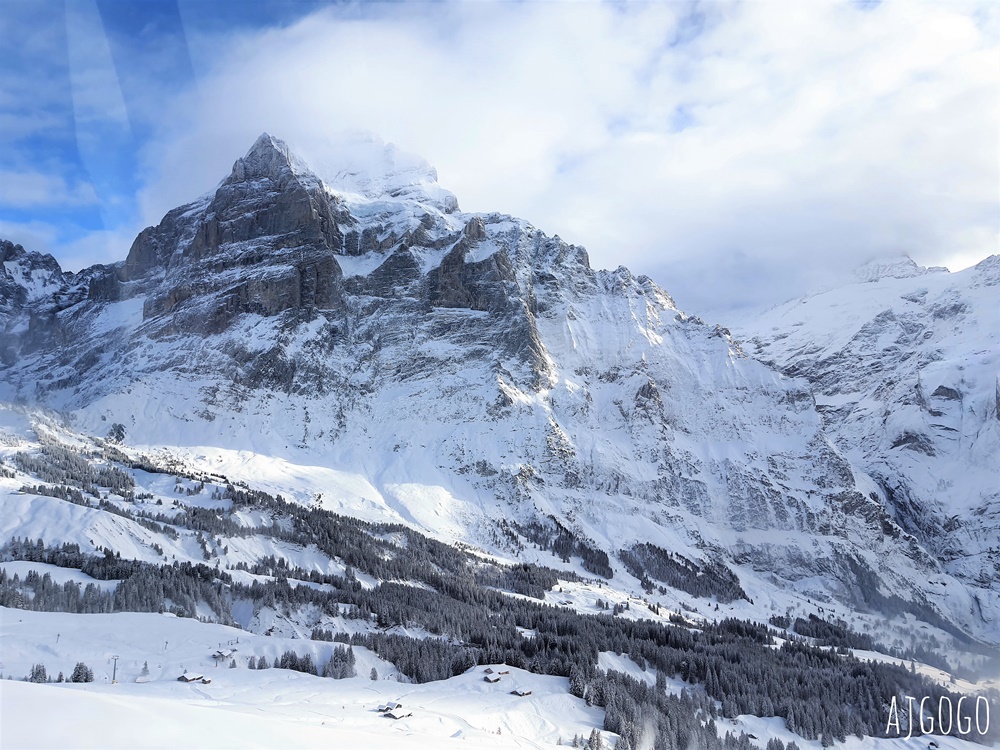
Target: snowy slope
(283, 704)
(251, 708)
(363, 344)
(905, 365)
(242, 708)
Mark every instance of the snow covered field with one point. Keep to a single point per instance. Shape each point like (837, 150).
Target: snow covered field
(277, 708)
(244, 708)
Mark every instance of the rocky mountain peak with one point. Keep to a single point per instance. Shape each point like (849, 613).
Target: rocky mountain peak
(270, 158)
(271, 201)
(26, 275)
(987, 271)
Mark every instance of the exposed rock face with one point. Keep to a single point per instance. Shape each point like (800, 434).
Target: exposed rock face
(27, 280)
(25, 276)
(271, 220)
(383, 331)
(268, 203)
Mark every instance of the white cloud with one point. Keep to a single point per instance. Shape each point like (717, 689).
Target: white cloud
(784, 144)
(22, 189)
(84, 249)
(100, 246)
(32, 235)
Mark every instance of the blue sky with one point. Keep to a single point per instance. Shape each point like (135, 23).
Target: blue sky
(739, 153)
(81, 88)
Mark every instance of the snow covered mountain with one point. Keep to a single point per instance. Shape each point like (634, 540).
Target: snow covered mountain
(25, 277)
(905, 367)
(473, 378)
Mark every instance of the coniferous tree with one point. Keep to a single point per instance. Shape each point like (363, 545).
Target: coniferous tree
(82, 673)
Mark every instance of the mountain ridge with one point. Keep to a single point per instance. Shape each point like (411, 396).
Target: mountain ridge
(906, 374)
(459, 370)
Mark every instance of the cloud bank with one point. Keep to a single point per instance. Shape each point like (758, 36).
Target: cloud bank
(738, 153)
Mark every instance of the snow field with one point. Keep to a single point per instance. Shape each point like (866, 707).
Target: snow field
(251, 708)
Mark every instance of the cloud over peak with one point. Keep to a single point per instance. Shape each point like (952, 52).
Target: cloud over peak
(738, 153)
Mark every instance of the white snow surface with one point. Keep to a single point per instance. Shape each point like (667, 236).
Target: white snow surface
(242, 708)
(276, 708)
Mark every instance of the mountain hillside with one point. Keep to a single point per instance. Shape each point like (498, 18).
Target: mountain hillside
(371, 349)
(905, 366)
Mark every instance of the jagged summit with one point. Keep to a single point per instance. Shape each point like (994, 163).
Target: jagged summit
(987, 271)
(270, 201)
(269, 157)
(355, 165)
(899, 267)
(25, 276)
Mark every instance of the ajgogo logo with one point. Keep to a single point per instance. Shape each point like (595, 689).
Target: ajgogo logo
(949, 716)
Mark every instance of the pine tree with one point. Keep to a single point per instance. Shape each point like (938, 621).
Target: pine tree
(374, 675)
(82, 673)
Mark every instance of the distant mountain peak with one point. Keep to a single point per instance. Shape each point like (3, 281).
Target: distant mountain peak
(898, 267)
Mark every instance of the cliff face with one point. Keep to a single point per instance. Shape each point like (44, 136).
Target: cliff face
(263, 243)
(904, 365)
(471, 371)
